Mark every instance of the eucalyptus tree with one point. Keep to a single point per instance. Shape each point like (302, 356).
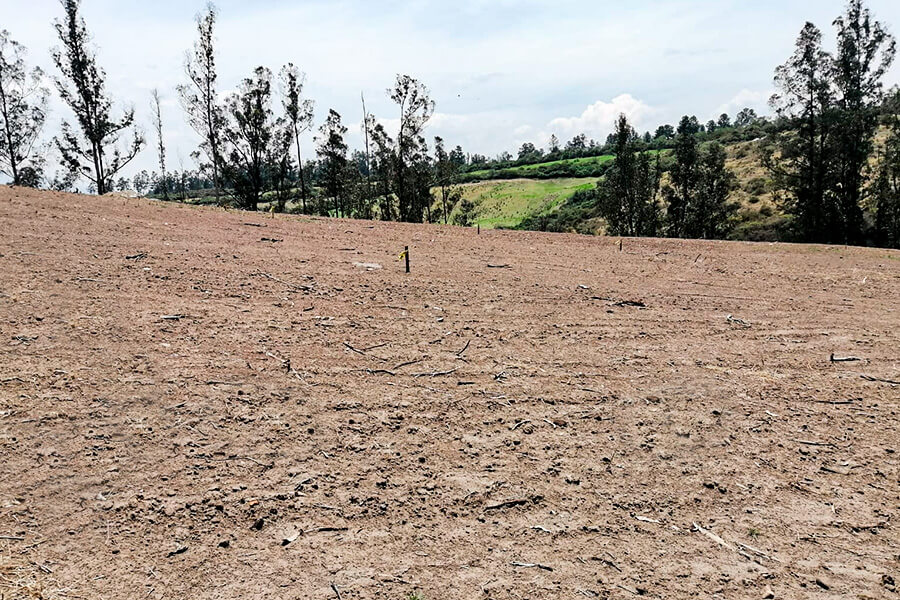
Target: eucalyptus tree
(200, 97)
(93, 151)
(23, 112)
(299, 113)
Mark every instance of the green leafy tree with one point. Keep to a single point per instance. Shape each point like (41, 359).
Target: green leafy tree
(94, 153)
(724, 121)
(464, 215)
(684, 176)
(23, 111)
(628, 193)
(250, 132)
(697, 203)
(746, 117)
(710, 217)
(665, 132)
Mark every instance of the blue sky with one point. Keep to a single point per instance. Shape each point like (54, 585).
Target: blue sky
(502, 71)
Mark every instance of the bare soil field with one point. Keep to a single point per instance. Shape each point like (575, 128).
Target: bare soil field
(198, 403)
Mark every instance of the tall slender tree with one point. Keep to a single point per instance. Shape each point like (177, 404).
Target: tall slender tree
(886, 186)
(95, 152)
(299, 114)
(200, 97)
(384, 164)
(865, 52)
(416, 109)
(445, 171)
(802, 159)
(332, 151)
(710, 217)
(680, 194)
(23, 111)
(161, 145)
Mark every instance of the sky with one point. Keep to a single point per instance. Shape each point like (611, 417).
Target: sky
(502, 72)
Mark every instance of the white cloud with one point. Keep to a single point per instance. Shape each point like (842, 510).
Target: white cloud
(598, 119)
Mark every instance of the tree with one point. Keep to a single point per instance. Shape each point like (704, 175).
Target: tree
(803, 167)
(886, 187)
(577, 143)
(249, 134)
(23, 111)
(200, 98)
(711, 126)
(665, 132)
(865, 52)
(697, 197)
(679, 194)
(710, 217)
(724, 121)
(161, 146)
(528, 152)
(383, 166)
(445, 170)
(416, 109)
(465, 213)
(299, 113)
(628, 193)
(95, 153)
(746, 117)
(554, 143)
(332, 151)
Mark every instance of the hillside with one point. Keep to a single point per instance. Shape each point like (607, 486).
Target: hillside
(522, 202)
(207, 404)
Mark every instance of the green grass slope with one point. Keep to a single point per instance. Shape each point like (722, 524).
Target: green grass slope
(507, 203)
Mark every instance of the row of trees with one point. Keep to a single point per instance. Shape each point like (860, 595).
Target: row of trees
(822, 154)
(747, 125)
(691, 201)
(250, 148)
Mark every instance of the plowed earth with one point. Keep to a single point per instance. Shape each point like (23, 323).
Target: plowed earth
(204, 404)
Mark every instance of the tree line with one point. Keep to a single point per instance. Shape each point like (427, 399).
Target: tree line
(832, 179)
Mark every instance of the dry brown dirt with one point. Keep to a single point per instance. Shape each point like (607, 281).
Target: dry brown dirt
(504, 422)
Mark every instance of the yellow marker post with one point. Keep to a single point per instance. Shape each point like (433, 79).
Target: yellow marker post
(405, 256)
